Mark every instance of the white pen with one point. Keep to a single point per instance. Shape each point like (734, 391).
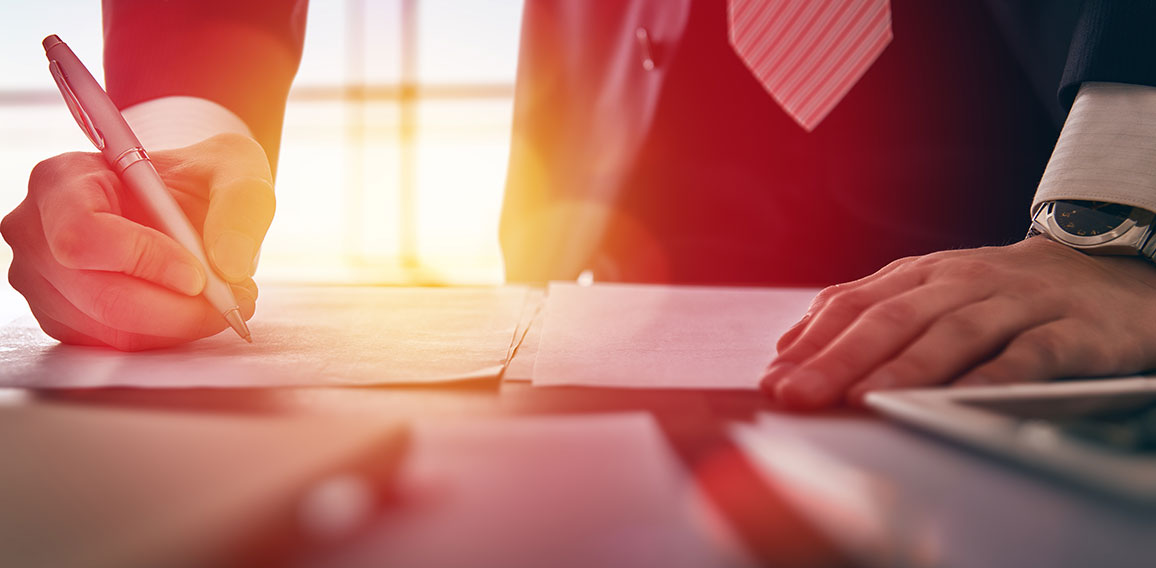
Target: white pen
(106, 128)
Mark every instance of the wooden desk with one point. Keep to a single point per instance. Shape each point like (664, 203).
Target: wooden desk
(510, 475)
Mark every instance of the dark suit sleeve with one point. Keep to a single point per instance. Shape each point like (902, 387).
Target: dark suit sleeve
(241, 54)
(1114, 41)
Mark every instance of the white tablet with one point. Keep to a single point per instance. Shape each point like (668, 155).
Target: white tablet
(1099, 433)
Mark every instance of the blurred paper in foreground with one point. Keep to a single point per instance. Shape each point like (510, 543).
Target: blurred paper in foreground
(121, 488)
(303, 336)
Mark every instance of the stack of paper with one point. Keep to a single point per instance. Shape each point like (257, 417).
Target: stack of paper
(605, 335)
(302, 336)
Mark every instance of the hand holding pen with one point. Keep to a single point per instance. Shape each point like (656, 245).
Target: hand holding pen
(104, 261)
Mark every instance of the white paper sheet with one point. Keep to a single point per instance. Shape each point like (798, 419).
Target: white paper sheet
(302, 336)
(644, 336)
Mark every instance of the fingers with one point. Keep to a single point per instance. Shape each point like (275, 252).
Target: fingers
(232, 172)
(63, 322)
(79, 216)
(832, 311)
(93, 273)
(788, 338)
(825, 296)
(107, 242)
(953, 344)
(115, 309)
(64, 333)
(878, 334)
(64, 319)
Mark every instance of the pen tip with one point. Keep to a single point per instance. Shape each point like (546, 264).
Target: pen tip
(237, 322)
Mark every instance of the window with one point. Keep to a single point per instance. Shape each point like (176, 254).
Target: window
(395, 144)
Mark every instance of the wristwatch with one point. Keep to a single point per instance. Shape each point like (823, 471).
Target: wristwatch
(1097, 227)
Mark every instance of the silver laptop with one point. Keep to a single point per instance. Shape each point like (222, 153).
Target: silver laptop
(1099, 433)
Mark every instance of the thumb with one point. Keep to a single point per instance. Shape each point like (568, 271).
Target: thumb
(233, 172)
(239, 214)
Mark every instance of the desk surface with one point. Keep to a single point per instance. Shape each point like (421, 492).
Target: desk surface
(505, 474)
(512, 475)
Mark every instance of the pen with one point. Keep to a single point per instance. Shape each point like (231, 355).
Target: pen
(106, 128)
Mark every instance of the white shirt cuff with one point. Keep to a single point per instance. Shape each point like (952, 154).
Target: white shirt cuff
(1107, 149)
(175, 122)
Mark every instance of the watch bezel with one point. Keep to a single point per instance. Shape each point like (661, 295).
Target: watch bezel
(1136, 218)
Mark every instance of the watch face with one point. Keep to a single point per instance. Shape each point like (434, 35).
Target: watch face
(1089, 218)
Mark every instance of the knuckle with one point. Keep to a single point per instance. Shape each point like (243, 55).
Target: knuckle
(10, 226)
(851, 301)
(18, 277)
(73, 247)
(897, 263)
(827, 294)
(892, 313)
(45, 173)
(972, 269)
(931, 260)
(240, 147)
(962, 326)
(923, 260)
(1035, 287)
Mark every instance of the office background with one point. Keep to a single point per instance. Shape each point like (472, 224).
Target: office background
(395, 143)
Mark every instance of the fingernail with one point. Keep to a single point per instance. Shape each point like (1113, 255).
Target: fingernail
(232, 255)
(244, 294)
(773, 375)
(184, 278)
(805, 387)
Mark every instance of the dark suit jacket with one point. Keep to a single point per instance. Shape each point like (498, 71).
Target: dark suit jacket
(690, 172)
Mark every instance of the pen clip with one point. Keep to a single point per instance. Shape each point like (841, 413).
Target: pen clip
(74, 105)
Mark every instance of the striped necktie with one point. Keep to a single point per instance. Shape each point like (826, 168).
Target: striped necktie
(809, 53)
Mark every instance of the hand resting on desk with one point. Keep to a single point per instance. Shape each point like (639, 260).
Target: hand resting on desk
(95, 272)
(1032, 311)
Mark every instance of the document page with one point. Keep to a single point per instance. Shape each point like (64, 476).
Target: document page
(647, 336)
(302, 336)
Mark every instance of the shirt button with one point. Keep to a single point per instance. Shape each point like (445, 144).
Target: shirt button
(644, 48)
